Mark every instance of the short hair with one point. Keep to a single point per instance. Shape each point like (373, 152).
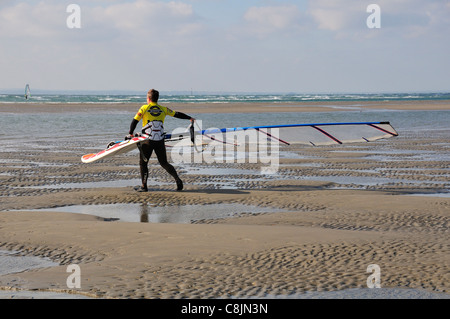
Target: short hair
(153, 95)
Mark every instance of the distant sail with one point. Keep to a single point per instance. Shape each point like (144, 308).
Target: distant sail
(27, 92)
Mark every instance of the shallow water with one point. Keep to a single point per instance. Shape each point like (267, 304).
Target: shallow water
(367, 293)
(366, 180)
(84, 134)
(87, 128)
(12, 262)
(27, 294)
(356, 293)
(167, 214)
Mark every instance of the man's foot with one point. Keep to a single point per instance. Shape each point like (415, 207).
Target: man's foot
(140, 189)
(179, 184)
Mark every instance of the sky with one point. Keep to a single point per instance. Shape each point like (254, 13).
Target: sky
(310, 46)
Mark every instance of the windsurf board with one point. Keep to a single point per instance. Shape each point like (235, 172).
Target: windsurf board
(115, 149)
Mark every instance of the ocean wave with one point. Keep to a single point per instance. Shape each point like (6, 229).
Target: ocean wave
(220, 98)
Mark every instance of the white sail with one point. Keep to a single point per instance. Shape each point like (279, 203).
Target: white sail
(314, 134)
(27, 91)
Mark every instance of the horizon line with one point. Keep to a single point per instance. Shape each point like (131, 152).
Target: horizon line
(205, 92)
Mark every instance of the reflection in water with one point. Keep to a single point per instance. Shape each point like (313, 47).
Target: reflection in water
(151, 214)
(144, 213)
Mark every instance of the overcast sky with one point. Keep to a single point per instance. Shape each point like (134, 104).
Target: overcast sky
(310, 46)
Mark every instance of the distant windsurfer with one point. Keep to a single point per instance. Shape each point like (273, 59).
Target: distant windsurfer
(27, 91)
(153, 115)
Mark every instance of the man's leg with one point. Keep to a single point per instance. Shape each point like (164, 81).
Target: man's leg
(145, 151)
(160, 150)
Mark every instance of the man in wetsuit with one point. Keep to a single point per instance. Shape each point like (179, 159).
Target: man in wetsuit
(153, 115)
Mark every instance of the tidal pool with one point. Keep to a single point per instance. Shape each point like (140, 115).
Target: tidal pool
(148, 213)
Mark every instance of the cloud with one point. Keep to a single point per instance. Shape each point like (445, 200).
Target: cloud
(118, 43)
(222, 44)
(336, 15)
(100, 19)
(398, 17)
(263, 21)
(27, 20)
(272, 17)
(146, 17)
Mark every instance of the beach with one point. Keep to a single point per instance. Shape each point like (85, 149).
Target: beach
(327, 214)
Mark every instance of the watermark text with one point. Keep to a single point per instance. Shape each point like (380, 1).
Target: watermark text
(73, 21)
(374, 280)
(74, 279)
(374, 19)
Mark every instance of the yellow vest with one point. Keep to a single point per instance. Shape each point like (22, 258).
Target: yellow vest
(153, 112)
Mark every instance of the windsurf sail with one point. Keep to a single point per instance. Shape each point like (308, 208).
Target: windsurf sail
(314, 134)
(27, 91)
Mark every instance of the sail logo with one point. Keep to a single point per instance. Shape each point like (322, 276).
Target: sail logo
(73, 21)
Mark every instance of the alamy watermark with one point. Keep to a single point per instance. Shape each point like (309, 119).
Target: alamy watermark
(237, 145)
(374, 19)
(374, 280)
(73, 21)
(74, 279)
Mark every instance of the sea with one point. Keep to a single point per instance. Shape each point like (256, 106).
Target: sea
(118, 121)
(207, 97)
(93, 128)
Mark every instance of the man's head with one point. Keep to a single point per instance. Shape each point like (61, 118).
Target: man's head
(152, 95)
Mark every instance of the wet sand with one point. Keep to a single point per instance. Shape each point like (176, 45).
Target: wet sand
(329, 232)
